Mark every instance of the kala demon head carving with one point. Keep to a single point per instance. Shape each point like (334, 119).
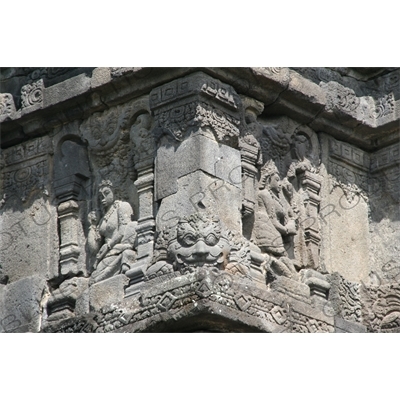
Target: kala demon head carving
(199, 242)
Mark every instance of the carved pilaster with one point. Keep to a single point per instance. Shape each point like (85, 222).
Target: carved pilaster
(70, 184)
(311, 183)
(198, 170)
(143, 155)
(250, 151)
(68, 216)
(197, 164)
(145, 228)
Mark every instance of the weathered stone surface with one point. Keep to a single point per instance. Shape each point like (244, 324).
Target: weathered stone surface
(21, 305)
(107, 292)
(199, 199)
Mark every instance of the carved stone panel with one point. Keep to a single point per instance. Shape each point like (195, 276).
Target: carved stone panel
(199, 199)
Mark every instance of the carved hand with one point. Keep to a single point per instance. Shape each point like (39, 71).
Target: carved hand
(102, 252)
(291, 227)
(92, 218)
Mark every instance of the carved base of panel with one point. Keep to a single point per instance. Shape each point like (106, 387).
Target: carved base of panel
(136, 277)
(256, 268)
(297, 290)
(109, 291)
(62, 301)
(207, 300)
(344, 326)
(317, 283)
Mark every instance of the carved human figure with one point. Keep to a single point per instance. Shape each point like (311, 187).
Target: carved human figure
(275, 221)
(112, 241)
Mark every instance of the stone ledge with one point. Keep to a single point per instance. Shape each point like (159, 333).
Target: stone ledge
(281, 90)
(191, 300)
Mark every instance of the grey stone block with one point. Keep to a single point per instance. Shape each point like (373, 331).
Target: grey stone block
(66, 90)
(21, 311)
(109, 291)
(343, 326)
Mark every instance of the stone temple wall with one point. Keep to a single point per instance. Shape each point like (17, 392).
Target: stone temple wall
(200, 200)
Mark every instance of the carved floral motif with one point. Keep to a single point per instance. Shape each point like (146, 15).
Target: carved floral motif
(381, 307)
(32, 94)
(345, 298)
(340, 97)
(178, 120)
(7, 106)
(384, 106)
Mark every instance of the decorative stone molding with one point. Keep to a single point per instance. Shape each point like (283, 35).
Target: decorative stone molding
(224, 213)
(32, 94)
(7, 106)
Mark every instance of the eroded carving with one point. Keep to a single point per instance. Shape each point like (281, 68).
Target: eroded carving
(384, 106)
(340, 97)
(178, 120)
(112, 240)
(345, 298)
(32, 94)
(7, 106)
(251, 155)
(199, 243)
(275, 223)
(142, 139)
(381, 307)
(25, 170)
(199, 240)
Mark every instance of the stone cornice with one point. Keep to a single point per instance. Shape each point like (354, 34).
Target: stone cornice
(370, 121)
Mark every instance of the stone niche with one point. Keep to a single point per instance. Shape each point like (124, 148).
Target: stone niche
(200, 200)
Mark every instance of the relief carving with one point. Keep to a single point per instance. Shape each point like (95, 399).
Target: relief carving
(142, 139)
(47, 72)
(102, 130)
(199, 243)
(199, 240)
(183, 106)
(286, 226)
(275, 223)
(25, 169)
(112, 240)
(344, 298)
(340, 97)
(7, 106)
(384, 106)
(177, 121)
(251, 155)
(32, 94)
(381, 307)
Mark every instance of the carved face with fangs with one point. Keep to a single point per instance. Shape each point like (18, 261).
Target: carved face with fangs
(200, 242)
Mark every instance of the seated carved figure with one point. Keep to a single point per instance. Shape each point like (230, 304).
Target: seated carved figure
(112, 241)
(274, 222)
